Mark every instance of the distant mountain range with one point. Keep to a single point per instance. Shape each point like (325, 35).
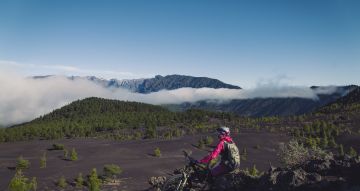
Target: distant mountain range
(148, 85)
(256, 107)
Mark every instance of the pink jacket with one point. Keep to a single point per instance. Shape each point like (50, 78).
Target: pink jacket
(219, 148)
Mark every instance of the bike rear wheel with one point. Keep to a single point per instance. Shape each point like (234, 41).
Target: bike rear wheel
(174, 183)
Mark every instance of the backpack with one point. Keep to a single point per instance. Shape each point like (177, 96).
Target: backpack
(233, 156)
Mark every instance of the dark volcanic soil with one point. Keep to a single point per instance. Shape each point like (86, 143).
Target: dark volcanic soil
(134, 157)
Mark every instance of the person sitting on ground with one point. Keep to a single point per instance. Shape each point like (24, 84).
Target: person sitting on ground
(226, 148)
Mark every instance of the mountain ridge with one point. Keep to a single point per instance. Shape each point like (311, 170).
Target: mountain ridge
(158, 83)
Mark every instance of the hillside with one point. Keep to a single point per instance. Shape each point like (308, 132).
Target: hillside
(115, 119)
(350, 103)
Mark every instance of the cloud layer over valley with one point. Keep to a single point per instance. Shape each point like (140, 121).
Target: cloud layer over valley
(23, 99)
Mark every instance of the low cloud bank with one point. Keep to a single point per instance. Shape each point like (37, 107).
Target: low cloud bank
(23, 99)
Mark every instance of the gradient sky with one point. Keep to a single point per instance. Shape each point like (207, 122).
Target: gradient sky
(304, 42)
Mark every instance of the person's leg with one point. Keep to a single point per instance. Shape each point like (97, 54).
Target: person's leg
(219, 170)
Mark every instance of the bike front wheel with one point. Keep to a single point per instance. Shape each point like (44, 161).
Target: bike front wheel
(174, 183)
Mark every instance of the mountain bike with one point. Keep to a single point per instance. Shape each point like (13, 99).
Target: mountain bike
(193, 176)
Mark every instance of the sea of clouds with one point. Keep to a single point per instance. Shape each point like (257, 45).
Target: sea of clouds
(24, 98)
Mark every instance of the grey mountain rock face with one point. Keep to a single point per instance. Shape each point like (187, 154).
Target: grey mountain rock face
(148, 85)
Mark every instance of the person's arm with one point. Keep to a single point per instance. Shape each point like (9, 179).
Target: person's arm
(215, 153)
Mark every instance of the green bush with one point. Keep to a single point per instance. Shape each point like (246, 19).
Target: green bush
(293, 153)
(112, 170)
(352, 152)
(62, 182)
(22, 163)
(79, 181)
(319, 154)
(94, 181)
(73, 155)
(332, 143)
(254, 171)
(66, 154)
(58, 146)
(157, 152)
(20, 183)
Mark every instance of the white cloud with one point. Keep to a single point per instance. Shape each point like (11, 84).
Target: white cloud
(23, 99)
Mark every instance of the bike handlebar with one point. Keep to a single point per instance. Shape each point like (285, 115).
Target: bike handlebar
(194, 162)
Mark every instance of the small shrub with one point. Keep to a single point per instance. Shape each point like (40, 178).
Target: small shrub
(352, 152)
(43, 161)
(293, 153)
(20, 183)
(257, 147)
(244, 154)
(22, 163)
(66, 154)
(341, 150)
(319, 154)
(332, 143)
(254, 171)
(62, 182)
(112, 171)
(79, 181)
(94, 181)
(73, 155)
(157, 152)
(324, 142)
(58, 146)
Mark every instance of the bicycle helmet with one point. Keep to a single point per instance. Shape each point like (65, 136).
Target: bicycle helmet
(223, 130)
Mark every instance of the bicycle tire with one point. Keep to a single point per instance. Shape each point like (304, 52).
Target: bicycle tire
(173, 183)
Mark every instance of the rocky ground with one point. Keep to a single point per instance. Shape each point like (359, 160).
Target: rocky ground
(330, 174)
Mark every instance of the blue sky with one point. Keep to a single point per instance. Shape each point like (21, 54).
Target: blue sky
(308, 42)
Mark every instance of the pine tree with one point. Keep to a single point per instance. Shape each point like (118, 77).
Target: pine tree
(157, 152)
(324, 142)
(73, 155)
(62, 182)
(79, 181)
(22, 163)
(19, 182)
(332, 143)
(43, 161)
(66, 154)
(94, 181)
